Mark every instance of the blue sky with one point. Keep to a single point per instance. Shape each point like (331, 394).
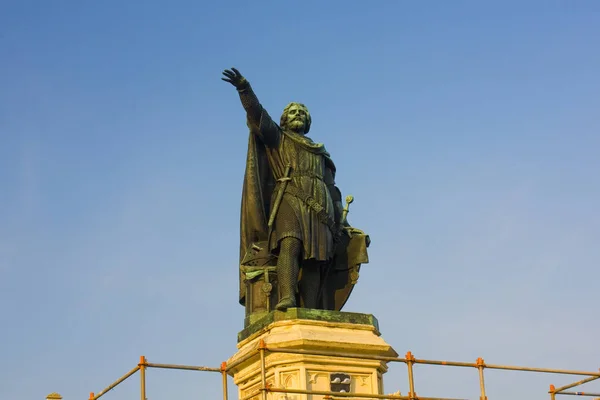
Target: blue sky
(467, 131)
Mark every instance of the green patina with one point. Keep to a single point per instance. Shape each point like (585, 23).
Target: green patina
(306, 314)
(292, 219)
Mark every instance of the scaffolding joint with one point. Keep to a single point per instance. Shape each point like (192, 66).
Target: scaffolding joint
(262, 345)
(143, 362)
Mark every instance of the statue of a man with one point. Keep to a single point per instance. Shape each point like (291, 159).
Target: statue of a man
(290, 200)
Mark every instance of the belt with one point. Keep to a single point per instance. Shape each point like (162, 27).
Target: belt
(309, 174)
(313, 204)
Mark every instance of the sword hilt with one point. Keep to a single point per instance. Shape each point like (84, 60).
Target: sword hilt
(349, 200)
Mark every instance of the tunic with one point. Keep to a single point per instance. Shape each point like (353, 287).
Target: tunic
(311, 171)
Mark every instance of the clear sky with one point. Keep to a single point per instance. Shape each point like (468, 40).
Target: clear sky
(468, 132)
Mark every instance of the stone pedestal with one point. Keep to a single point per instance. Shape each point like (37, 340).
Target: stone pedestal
(329, 352)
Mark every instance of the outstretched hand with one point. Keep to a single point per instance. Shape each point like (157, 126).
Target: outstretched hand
(234, 77)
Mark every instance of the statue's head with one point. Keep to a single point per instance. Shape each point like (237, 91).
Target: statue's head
(296, 118)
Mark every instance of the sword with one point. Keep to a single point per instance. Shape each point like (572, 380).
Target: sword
(349, 200)
(284, 181)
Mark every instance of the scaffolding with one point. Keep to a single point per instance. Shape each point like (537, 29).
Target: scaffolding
(409, 359)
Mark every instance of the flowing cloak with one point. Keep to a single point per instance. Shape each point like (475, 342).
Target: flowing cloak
(256, 195)
(259, 184)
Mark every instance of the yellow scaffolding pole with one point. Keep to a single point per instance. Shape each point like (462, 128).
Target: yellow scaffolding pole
(262, 350)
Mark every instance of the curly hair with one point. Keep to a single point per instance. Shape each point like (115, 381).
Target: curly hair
(284, 116)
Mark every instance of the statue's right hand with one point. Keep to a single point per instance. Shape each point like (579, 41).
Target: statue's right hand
(234, 77)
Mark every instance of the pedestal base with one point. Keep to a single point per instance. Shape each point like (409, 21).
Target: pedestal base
(310, 350)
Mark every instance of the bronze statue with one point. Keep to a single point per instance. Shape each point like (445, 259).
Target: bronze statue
(293, 224)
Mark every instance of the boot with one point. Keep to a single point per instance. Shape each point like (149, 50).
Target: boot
(287, 290)
(285, 303)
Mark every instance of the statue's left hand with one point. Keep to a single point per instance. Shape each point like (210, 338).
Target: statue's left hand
(350, 230)
(234, 77)
(344, 230)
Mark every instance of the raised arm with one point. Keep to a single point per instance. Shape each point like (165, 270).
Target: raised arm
(259, 121)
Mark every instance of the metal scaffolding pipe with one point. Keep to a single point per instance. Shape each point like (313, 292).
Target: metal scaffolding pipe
(480, 366)
(224, 379)
(252, 394)
(142, 366)
(508, 367)
(411, 381)
(503, 367)
(242, 359)
(445, 363)
(410, 360)
(184, 367)
(580, 394)
(581, 382)
(114, 385)
(545, 370)
(435, 362)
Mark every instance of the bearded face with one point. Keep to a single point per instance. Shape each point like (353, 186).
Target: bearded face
(297, 124)
(297, 118)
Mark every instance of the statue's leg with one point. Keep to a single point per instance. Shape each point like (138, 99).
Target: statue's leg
(327, 295)
(288, 266)
(310, 284)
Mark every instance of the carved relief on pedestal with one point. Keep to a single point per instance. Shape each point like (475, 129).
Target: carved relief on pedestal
(362, 383)
(339, 381)
(250, 390)
(255, 389)
(317, 380)
(290, 380)
(363, 380)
